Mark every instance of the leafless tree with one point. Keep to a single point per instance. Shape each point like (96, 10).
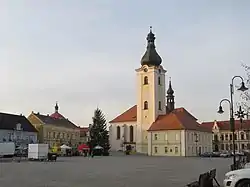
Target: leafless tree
(245, 96)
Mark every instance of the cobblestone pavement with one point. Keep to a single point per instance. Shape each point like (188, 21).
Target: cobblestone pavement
(116, 170)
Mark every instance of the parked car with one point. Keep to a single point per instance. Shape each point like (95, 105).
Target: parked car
(216, 154)
(225, 154)
(206, 154)
(237, 178)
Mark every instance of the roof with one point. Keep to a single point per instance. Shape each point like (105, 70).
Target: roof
(151, 57)
(57, 115)
(225, 125)
(178, 119)
(46, 119)
(128, 116)
(10, 121)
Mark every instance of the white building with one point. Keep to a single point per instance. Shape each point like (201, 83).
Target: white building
(16, 128)
(151, 127)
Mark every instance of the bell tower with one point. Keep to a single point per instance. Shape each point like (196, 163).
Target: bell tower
(150, 92)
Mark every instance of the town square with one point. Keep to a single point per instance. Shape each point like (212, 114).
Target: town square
(124, 93)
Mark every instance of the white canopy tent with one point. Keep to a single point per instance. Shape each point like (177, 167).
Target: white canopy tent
(65, 147)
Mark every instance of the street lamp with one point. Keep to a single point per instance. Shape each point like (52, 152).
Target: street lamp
(220, 111)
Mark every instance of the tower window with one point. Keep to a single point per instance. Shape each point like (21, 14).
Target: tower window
(145, 105)
(145, 80)
(159, 106)
(159, 80)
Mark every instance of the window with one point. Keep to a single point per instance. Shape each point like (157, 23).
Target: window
(166, 149)
(166, 136)
(159, 105)
(176, 149)
(131, 131)
(171, 150)
(222, 137)
(247, 136)
(156, 137)
(242, 136)
(159, 80)
(226, 137)
(54, 134)
(176, 136)
(242, 146)
(145, 105)
(145, 80)
(231, 137)
(118, 132)
(227, 147)
(156, 150)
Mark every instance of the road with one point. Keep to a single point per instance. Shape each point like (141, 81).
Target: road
(118, 171)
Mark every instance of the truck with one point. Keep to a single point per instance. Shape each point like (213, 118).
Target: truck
(7, 149)
(38, 151)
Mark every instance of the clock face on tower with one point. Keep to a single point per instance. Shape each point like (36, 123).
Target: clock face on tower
(145, 70)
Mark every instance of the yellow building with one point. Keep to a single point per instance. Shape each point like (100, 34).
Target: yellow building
(55, 129)
(223, 137)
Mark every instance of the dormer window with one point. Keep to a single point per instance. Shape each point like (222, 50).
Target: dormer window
(145, 105)
(145, 82)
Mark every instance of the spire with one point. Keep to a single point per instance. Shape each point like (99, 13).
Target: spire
(151, 57)
(170, 97)
(56, 107)
(170, 89)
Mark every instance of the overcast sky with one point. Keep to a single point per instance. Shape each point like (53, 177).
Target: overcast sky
(83, 53)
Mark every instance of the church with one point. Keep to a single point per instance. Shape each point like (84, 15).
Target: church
(154, 126)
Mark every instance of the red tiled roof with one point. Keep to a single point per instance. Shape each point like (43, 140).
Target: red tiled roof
(57, 115)
(225, 125)
(127, 116)
(178, 119)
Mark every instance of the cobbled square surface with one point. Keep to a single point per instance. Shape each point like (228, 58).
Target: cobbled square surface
(113, 171)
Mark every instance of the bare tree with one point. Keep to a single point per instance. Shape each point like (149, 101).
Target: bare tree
(245, 96)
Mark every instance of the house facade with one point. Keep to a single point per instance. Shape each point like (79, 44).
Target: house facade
(223, 137)
(55, 129)
(16, 128)
(84, 135)
(152, 127)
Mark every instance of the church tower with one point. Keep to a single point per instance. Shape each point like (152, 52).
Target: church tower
(151, 97)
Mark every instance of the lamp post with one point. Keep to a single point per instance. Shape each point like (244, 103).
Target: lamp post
(232, 121)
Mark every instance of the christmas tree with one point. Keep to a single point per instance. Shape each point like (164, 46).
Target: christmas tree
(98, 131)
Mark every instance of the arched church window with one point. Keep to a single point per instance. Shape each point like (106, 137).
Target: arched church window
(131, 133)
(118, 132)
(159, 105)
(145, 80)
(159, 80)
(145, 105)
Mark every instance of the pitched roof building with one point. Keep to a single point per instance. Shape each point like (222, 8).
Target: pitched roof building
(154, 126)
(16, 128)
(55, 128)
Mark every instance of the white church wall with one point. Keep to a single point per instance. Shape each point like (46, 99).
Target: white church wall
(117, 144)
